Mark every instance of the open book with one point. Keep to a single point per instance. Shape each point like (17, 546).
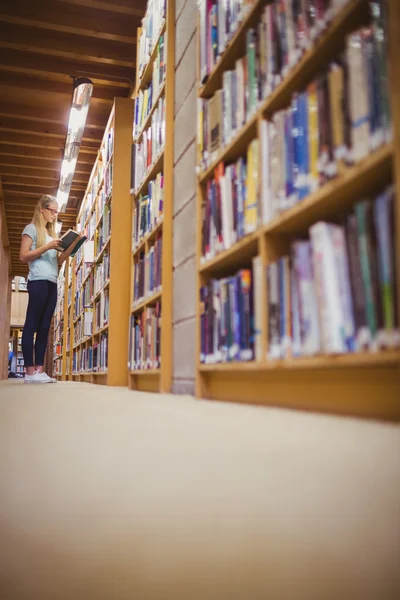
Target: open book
(68, 238)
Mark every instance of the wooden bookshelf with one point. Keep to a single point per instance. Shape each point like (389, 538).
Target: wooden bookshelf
(118, 248)
(365, 384)
(157, 379)
(61, 324)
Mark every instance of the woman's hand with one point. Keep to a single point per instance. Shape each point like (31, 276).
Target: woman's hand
(53, 245)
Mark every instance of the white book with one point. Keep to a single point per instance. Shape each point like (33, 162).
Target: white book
(88, 322)
(88, 252)
(326, 276)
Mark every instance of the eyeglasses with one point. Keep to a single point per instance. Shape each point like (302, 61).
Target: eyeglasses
(52, 211)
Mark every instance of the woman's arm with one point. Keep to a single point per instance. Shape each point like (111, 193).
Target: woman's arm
(64, 255)
(27, 255)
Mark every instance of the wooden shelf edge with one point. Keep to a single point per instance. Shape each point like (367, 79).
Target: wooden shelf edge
(225, 255)
(145, 372)
(148, 237)
(350, 175)
(147, 302)
(148, 68)
(390, 358)
(148, 118)
(152, 172)
(219, 67)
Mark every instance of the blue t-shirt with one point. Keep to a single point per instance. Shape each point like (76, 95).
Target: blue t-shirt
(46, 266)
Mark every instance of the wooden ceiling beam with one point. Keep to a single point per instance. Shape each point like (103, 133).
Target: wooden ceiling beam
(116, 6)
(48, 186)
(54, 130)
(27, 82)
(32, 173)
(25, 163)
(32, 192)
(81, 21)
(51, 116)
(40, 152)
(57, 68)
(66, 45)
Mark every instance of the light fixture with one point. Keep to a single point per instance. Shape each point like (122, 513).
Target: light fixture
(82, 94)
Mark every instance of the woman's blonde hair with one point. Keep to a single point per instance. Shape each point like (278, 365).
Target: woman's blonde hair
(40, 223)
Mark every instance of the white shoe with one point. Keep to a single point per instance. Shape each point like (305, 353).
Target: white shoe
(39, 378)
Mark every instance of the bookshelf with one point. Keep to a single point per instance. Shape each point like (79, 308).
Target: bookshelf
(94, 303)
(362, 382)
(152, 178)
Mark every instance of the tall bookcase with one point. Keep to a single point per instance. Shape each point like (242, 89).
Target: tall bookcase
(150, 322)
(94, 304)
(358, 383)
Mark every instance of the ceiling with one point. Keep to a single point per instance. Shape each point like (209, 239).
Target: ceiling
(43, 44)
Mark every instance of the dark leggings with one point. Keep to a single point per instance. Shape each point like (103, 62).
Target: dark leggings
(41, 306)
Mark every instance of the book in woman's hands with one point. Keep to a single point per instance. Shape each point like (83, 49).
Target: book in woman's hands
(69, 238)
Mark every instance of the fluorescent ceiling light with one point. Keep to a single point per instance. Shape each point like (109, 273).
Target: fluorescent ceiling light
(83, 89)
(62, 199)
(67, 167)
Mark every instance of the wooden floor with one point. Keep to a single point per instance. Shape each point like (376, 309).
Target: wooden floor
(108, 494)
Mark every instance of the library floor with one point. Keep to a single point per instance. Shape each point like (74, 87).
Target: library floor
(107, 494)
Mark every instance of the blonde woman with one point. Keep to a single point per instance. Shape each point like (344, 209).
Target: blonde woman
(39, 249)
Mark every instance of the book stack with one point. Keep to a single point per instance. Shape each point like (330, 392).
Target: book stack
(144, 341)
(151, 27)
(148, 210)
(231, 207)
(103, 231)
(146, 98)
(150, 146)
(336, 292)
(101, 310)
(100, 354)
(284, 31)
(102, 273)
(341, 117)
(147, 273)
(226, 319)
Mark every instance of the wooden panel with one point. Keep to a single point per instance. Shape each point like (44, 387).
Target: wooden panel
(66, 45)
(20, 61)
(347, 391)
(120, 245)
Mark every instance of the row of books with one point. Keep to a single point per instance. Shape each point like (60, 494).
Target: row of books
(82, 328)
(82, 360)
(151, 27)
(286, 28)
(336, 293)
(148, 210)
(108, 180)
(230, 208)
(226, 319)
(341, 116)
(103, 231)
(326, 128)
(101, 273)
(91, 226)
(91, 359)
(149, 148)
(145, 99)
(108, 148)
(145, 340)
(101, 311)
(147, 273)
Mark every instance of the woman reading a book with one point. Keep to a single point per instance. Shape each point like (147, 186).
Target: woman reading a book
(40, 248)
